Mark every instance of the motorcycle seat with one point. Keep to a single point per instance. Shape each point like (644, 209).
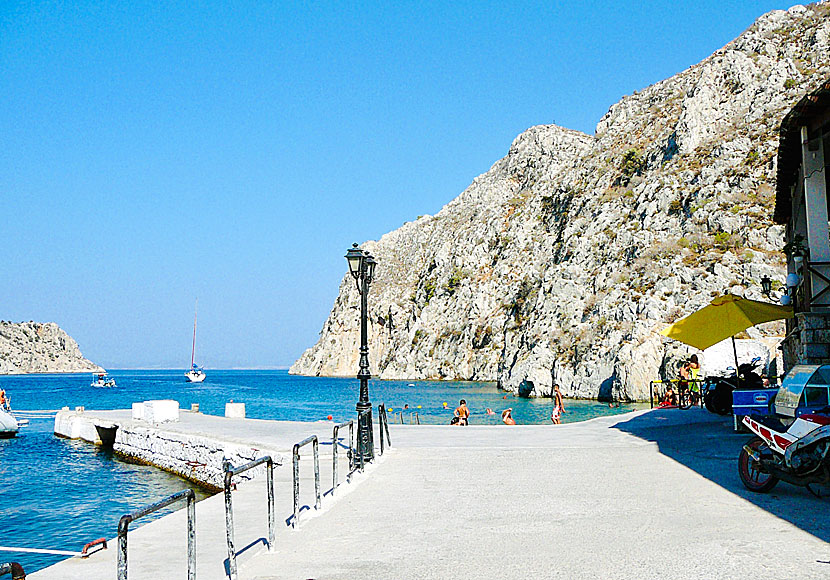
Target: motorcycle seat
(770, 422)
(820, 419)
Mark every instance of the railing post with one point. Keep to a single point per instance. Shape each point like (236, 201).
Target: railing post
(124, 526)
(315, 445)
(229, 530)
(336, 450)
(296, 459)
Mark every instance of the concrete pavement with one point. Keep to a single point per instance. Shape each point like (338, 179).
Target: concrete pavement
(640, 495)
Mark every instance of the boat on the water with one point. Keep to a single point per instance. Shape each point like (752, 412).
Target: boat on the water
(195, 374)
(102, 380)
(8, 424)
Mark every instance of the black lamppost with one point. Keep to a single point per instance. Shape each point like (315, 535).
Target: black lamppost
(766, 286)
(362, 269)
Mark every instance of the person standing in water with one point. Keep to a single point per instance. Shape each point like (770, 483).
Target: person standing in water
(558, 407)
(507, 417)
(462, 412)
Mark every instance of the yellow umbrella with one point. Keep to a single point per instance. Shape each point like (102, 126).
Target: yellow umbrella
(725, 316)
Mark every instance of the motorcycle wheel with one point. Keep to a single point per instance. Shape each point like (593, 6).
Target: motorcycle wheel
(722, 399)
(709, 401)
(752, 477)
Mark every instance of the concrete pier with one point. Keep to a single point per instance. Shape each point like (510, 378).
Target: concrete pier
(641, 495)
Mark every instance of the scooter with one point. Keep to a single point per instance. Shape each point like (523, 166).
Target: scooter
(798, 454)
(717, 395)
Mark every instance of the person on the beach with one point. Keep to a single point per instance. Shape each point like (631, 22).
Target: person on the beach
(462, 412)
(691, 372)
(558, 407)
(669, 398)
(507, 417)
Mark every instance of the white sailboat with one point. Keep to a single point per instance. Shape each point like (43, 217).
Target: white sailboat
(195, 374)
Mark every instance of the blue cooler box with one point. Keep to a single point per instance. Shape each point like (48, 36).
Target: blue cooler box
(756, 402)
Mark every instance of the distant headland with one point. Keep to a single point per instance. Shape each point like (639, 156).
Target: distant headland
(35, 347)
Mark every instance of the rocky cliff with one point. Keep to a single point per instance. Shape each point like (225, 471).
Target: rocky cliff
(32, 347)
(561, 262)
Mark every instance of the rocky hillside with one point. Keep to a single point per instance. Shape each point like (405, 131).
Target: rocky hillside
(561, 262)
(32, 347)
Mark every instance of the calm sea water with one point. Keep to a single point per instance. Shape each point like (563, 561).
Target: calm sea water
(61, 494)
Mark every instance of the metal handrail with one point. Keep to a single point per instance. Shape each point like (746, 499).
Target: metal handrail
(84, 553)
(660, 382)
(229, 531)
(383, 426)
(124, 524)
(352, 462)
(316, 448)
(13, 568)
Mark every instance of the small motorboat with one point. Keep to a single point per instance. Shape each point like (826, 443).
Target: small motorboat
(8, 424)
(102, 380)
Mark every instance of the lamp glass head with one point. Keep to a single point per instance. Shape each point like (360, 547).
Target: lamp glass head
(766, 285)
(354, 256)
(370, 266)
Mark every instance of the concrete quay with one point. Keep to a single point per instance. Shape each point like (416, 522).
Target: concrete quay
(640, 495)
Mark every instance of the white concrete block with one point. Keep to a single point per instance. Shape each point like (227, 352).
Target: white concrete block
(138, 411)
(235, 410)
(162, 411)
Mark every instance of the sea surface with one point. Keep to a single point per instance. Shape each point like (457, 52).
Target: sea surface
(61, 494)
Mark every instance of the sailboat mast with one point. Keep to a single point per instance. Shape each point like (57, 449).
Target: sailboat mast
(193, 351)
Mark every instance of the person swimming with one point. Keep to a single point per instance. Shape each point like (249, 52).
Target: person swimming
(507, 417)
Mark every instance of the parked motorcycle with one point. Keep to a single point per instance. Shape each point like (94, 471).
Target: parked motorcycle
(798, 454)
(717, 396)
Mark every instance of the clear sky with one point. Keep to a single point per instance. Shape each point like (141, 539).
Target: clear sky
(156, 152)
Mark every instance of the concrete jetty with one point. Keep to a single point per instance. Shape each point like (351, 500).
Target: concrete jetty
(640, 495)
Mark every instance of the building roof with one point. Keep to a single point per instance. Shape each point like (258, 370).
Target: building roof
(789, 146)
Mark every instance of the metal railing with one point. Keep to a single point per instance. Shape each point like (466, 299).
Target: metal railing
(13, 568)
(651, 389)
(84, 553)
(414, 417)
(229, 473)
(126, 520)
(316, 446)
(335, 448)
(383, 426)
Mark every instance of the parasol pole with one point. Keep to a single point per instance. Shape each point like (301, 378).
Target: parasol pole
(735, 352)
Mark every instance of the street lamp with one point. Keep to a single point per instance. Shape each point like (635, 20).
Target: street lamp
(362, 268)
(766, 285)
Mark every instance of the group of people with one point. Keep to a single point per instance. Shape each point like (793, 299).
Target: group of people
(689, 372)
(461, 415)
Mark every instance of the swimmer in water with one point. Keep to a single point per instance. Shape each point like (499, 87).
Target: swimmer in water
(490, 411)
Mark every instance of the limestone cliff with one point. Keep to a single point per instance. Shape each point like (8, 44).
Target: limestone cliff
(562, 261)
(32, 347)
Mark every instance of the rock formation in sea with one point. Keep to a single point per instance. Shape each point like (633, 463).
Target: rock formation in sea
(561, 263)
(34, 347)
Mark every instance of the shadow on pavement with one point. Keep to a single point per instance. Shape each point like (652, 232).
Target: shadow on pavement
(707, 444)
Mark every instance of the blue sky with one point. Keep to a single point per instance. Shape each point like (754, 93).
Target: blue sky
(152, 153)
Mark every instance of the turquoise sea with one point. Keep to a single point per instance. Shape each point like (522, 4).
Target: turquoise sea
(61, 494)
